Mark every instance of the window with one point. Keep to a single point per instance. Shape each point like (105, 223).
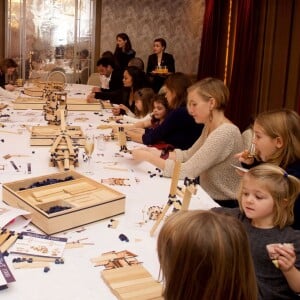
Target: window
(43, 35)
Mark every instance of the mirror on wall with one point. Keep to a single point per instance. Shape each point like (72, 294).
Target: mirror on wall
(47, 35)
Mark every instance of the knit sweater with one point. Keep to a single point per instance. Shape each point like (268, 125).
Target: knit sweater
(210, 158)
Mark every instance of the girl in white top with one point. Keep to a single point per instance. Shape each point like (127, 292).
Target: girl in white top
(212, 154)
(143, 107)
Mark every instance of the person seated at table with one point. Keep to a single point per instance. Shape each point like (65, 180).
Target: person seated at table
(123, 52)
(7, 68)
(111, 85)
(212, 155)
(137, 62)
(159, 60)
(205, 255)
(160, 111)
(178, 128)
(133, 80)
(142, 107)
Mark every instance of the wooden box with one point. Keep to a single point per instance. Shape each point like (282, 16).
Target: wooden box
(64, 205)
(46, 135)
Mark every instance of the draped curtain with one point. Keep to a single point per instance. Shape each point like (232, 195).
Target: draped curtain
(254, 46)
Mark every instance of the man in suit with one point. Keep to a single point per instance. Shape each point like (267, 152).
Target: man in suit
(111, 81)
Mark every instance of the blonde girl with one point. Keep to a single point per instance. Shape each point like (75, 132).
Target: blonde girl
(277, 141)
(266, 198)
(205, 255)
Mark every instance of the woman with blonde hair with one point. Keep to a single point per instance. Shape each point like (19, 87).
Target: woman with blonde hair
(212, 154)
(205, 255)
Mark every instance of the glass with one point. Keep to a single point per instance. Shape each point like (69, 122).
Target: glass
(89, 147)
(47, 34)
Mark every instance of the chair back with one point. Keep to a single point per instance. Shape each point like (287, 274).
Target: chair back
(94, 79)
(57, 76)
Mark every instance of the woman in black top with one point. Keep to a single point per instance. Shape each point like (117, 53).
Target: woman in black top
(159, 59)
(133, 80)
(123, 52)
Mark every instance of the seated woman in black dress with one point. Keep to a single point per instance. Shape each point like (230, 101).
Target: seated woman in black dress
(159, 60)
(123, 52)
(133, 80)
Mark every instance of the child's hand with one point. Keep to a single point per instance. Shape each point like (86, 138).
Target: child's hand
(244, 157)
(116, 110)
(286, 257)
(124, 107)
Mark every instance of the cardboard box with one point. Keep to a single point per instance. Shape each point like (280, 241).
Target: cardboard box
(64, 205)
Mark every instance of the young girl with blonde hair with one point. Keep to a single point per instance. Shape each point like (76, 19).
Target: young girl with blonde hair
(266, 198)
(205, 255)
(277, 141)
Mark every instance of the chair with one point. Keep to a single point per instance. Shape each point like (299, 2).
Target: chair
(94, 79)
(57, 76)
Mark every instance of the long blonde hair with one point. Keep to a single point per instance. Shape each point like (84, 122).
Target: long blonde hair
(205, 255)
(283, 123)
(284, 189)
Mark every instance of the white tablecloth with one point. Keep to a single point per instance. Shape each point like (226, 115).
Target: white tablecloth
(77, 279)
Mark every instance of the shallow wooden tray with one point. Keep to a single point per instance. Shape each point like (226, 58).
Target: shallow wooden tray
(85, 201)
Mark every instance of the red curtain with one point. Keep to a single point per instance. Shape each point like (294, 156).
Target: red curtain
(243, 77)
(213, 43)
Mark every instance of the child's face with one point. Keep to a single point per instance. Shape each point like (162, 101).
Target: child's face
(265, 146)
(138, 104)
(257, 203)
(159, 111)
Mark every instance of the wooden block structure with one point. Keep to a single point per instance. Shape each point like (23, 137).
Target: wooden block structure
(190, 188)
(122, 139)
(55, 102)
(63, 154)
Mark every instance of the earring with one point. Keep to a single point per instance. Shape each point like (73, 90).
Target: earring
(210, 117)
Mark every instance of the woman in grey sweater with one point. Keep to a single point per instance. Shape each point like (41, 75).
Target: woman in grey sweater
(212, 154)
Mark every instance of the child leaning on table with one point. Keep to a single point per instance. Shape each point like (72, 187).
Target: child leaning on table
(266, 198)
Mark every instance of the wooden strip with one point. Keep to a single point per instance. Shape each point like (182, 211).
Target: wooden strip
(8, 243)
(26, 265)
(144, 291)
(4, 236)
(126, 283)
